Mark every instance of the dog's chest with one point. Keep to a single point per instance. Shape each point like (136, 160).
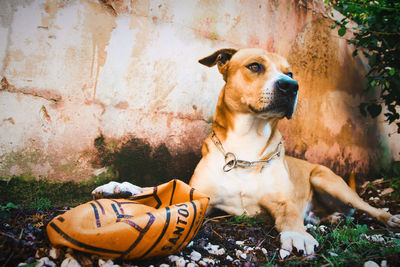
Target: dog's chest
(240, 190)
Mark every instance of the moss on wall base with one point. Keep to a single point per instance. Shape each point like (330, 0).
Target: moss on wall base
(136, 161)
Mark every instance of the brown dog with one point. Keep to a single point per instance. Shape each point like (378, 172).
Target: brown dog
(244, 168)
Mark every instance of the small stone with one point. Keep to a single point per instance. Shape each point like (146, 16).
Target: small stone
(70, 261)
(384, 263)
(195, 256)
(54, 253)
(209, 261)
(173, 258)
(248, 249)
(323, 228)
(238, 253)
(333, 254)
(164, 265)
(181, 262)
(240, 243)
(310, 226)
(45, 262)
(370, 264)
(214, 249)
(264, 251)
(191, 264)
(229, 258)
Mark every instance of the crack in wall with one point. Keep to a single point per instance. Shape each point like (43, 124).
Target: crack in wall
(40, 93)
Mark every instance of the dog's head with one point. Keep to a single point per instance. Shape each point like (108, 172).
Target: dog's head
(257, 82)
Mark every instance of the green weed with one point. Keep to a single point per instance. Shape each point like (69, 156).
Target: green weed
(246, 220)
(42, 194)
(346, 244)
(8, 207)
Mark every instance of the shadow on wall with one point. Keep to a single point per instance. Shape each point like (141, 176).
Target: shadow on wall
(137, 162)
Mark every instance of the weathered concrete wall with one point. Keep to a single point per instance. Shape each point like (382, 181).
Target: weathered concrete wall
(126, 73)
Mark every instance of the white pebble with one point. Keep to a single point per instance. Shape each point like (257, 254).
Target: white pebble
(108, 263)
(54, 253)
(173, 258)
(238, 253)
(164, 265)
(264, 251)
(192, 264)
(195, 256)
(248, 249)
(214, 249)
(323, 228)
(374, 238)
(310, 226)
(72, 262)
(384, 263)
(229, 258)
(333, 254)
(45, 262)
(370, 264)
(240, 243)
(209, 261)
(181, 262)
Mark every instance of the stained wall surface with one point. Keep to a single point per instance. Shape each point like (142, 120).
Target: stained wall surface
(82, 80)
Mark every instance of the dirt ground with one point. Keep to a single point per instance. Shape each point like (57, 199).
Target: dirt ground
(222, 240)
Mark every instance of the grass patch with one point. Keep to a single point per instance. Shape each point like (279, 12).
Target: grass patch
(350, 243)
(244, 219)
(42, 194)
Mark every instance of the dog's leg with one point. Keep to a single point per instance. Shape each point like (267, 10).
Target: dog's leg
(325, 180)
(289, 222)
(116, 189)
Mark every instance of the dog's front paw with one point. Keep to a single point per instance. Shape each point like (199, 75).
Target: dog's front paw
(303, 242)
(124, 189)
(394, 221)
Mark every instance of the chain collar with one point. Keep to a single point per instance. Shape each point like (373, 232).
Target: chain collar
(231, 161)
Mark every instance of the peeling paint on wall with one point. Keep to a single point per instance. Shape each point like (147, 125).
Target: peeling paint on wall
(74, 70)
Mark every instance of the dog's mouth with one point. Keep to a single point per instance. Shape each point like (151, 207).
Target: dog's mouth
(282, 107)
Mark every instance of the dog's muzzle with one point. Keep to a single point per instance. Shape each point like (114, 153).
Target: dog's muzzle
(287, 88)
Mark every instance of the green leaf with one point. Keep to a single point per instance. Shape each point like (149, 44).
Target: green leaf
(342, 31)
(392, 71)
(11, 205)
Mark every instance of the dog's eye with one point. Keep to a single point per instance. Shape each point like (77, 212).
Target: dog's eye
(255, 67)
(289, 74)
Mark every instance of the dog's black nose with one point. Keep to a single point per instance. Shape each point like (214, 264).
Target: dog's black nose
(287, 86)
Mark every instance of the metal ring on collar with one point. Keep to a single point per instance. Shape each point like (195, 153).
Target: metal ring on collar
(230, 162)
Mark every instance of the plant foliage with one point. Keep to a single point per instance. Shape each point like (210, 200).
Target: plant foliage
(377, 37)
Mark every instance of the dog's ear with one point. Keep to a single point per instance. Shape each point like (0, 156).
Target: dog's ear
(221, 58)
